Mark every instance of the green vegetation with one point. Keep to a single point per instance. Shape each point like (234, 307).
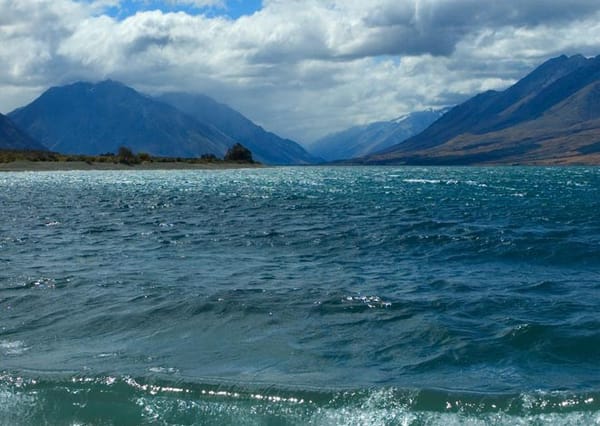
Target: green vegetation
(237, 154)
(9, 156)
(126, 156)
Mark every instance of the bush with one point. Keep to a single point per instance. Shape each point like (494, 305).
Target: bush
(7, 157)
(126, 156)
(208, 157)
(144, 156)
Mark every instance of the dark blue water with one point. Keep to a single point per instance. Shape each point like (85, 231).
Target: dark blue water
(301, 296)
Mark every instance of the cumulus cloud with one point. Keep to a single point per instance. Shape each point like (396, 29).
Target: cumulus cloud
(300, 67)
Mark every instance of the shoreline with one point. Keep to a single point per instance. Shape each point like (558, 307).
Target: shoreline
(59, 166)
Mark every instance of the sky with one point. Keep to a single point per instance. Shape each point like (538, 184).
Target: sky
(301, 68)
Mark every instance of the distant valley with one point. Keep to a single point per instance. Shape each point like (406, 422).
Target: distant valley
(266, 147)
(368, 139)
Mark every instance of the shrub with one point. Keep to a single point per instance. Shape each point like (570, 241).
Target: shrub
(126, 156)
(208, 157)
(144, 156)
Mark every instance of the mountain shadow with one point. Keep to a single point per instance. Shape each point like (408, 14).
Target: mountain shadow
(13, 138)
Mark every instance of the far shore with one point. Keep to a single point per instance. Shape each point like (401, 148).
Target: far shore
(43, 166)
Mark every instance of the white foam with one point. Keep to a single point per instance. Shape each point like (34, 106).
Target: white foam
(421, 180)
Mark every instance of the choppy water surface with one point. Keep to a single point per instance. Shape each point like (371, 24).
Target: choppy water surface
(301, 296)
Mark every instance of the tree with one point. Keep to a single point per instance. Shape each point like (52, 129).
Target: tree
(239, 153)
(126, 156)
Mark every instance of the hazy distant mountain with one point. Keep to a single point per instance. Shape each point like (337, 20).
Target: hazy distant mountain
(12, 138)
(86, 118)
(359, 141)
(552, 116)
(266, 147)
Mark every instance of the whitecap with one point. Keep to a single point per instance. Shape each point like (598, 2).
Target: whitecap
(421, 180)
(16, 347)
(163, 370)
(371, 301)
(44, 283)
(474, 183)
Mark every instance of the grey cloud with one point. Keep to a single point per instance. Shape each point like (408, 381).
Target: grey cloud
(301, 68)
(145, 42)
(436, 26)
(401, 40)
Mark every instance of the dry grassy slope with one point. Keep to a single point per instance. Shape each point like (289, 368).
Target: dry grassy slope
(568, 133)
(577, 144)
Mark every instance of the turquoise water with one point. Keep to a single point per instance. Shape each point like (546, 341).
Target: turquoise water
(301, 296)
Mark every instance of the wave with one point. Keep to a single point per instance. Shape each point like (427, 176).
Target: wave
(128, 400)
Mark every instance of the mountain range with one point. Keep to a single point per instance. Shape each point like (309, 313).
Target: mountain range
(12, 138)
(359, 141)
(552, 116)
(92, 119)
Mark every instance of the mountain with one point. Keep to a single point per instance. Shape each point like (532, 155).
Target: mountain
(266, 147)
(12, 138)
(86, 118)
(552, 116)
(360, 141)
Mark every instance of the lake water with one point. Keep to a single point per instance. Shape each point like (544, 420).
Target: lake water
(292, 296)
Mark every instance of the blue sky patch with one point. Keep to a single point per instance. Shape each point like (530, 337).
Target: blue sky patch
(233, 8)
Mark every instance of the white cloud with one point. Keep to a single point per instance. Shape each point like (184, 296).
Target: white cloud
(299, 67)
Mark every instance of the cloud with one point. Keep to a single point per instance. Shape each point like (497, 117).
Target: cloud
(299, 67)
